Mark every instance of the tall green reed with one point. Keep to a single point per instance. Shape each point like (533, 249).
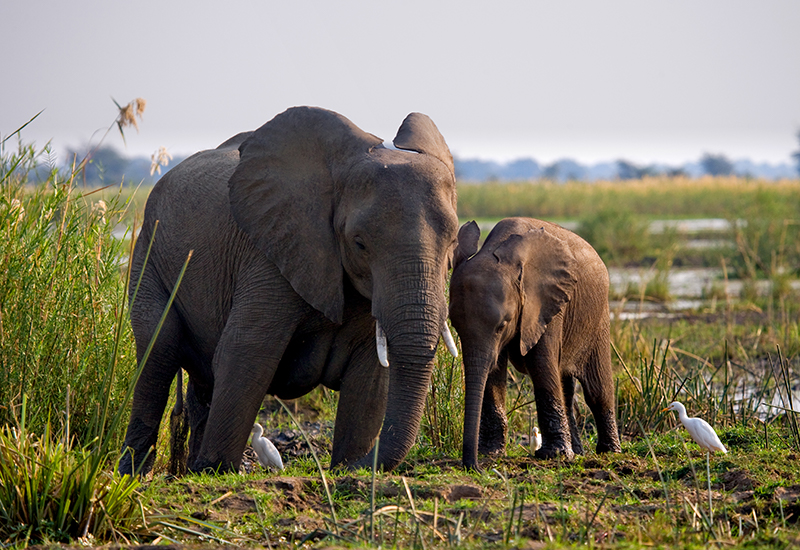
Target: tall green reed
(68, 364)
(64, 338)
(443, 420)
(63, 298)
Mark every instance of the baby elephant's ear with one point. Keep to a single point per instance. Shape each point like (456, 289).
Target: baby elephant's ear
(468, 237)
(547, 284)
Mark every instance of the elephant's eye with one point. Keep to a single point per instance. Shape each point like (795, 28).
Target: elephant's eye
(360, 243)
(502, 325)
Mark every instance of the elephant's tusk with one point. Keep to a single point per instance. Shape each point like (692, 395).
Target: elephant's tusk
(449, 342)
(380, 342)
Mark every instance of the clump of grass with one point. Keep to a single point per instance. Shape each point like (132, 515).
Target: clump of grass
(619, 236)
(442, 424)
(63, 298)
(659, 197)
(51, 490)
(66, 387)
(766, 232)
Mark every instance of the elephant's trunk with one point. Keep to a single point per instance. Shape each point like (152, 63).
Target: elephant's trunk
(476, 370)
(412, 330)
(409, 378)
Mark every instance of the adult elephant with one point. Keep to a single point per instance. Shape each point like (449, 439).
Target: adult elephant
(309, 237)
(536, 294)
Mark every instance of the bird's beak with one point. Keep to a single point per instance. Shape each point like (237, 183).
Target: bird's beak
(665, 410)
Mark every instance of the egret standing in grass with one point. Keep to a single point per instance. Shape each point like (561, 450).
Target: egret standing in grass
(700, 430)
(537, 439)
(268, 455)
(705, 436)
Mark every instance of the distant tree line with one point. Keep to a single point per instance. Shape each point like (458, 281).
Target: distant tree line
(568, 169)
(106, 165)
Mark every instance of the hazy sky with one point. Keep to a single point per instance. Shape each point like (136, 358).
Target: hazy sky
(646, 81)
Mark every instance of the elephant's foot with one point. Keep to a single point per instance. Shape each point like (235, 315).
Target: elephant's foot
(209, 467)
(351, 465)
(129, 465)
(493, 447)
(492, 436)
(138, 450)
(612, 446)
(555, 451)
(471, 466)
(577, 446)
(607, 434)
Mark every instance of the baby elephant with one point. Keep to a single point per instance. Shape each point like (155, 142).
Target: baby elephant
(536, 294)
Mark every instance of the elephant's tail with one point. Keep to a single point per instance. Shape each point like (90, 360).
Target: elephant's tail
(178, 431)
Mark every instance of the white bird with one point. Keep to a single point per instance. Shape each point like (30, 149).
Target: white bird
(700, 430)
(268, 455)
(537, 438)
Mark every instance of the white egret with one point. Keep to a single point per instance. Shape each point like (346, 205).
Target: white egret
(268, 455)
(700, 430)
(537, 438)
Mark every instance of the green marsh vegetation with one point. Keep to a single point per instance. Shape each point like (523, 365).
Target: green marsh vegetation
(69, 362)
(67, 354)
(67, 358)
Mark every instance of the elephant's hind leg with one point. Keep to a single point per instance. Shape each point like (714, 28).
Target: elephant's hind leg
(198, 404)
(598, 391)
(153, 387)
(568, 383)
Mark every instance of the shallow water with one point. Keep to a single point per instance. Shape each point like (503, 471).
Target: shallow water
(687, 283)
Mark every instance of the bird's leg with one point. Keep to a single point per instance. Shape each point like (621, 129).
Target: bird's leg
(708, 477)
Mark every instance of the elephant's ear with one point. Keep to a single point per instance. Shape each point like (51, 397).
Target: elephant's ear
(468, 237)
(419, 133)
(548, 275)
(281, 195)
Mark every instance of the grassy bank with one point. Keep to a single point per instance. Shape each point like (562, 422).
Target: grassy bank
(655, 198)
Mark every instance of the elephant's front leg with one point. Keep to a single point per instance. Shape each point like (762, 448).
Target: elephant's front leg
(255, 337)
(494, 425)
(543, 365)
(362, 404)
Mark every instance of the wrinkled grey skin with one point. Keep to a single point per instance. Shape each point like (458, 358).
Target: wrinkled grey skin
(536, 294)
(304, 233)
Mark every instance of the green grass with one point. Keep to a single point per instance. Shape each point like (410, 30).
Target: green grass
(652, 198)
(62, 330)
(68, 365)
(637, 498)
